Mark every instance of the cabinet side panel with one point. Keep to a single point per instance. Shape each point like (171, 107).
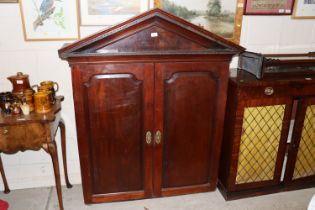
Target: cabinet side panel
(115, 104)
(189, 113)
(228, 135)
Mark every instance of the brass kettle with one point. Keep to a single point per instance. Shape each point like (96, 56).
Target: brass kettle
(19, 82)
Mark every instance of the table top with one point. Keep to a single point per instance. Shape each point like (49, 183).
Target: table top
(6, 119)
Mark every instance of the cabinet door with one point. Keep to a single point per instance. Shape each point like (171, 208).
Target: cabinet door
(189, 110)
(261, 134)
(301, 162)
(118, 111)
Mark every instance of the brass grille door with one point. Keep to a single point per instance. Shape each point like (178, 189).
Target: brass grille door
(305, 162)
(262, 144)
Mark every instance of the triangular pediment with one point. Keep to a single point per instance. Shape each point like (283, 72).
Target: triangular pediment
(154, 32)
(155, 38)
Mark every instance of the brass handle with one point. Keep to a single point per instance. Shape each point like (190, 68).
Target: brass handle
(269, 91)
(157, 137)
(148, 137)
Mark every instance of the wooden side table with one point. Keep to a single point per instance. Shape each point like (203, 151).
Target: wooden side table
(35, 132)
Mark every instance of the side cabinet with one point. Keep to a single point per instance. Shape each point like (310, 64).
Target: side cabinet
(261, 154)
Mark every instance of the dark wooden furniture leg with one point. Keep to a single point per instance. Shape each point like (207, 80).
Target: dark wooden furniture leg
(52, 150)
(64, 151)
(6, 186)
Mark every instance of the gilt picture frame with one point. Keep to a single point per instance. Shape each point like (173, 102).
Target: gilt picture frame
(110, 12)
(304, 9)
(226, 22)
(9, 1)
(49, 20)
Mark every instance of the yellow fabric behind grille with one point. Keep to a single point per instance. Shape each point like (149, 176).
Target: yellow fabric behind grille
(261, 132)
(305, 162)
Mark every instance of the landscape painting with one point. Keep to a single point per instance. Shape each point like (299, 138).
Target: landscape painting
(112, 7)
(110, 12)
(217, 16)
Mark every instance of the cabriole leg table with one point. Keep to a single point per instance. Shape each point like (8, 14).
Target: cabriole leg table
(35, 132)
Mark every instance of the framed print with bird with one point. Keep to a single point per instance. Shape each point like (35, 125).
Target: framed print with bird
(49, 19)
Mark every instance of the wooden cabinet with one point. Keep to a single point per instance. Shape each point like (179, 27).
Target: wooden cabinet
(150, 99)
(268, 144)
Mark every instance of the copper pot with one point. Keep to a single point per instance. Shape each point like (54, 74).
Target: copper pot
(20, 83)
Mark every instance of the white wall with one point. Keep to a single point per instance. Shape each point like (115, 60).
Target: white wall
(278, 34)
(40, 60)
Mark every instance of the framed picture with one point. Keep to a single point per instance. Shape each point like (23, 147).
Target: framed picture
(9, 1)
(49, 20)
(222, 17)
(304, 9)
(269, 7)
(110, 12)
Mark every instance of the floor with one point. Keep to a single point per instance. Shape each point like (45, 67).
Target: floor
(46, 199)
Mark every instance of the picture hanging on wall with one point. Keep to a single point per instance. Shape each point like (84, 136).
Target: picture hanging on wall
(222, 17)
(49, 20)
(9, 1)
(304, 9)
(110, 12)
(269, 7)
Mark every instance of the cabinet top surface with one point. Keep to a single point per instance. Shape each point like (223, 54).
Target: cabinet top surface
(33, 116)
(155, 32)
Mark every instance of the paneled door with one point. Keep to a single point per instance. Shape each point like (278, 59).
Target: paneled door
(189, 98)
(262, 142)
(118, 102)
(301, 162)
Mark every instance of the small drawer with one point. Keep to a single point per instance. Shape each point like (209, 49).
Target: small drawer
(15, 138)
(12, 132)
(269, 91)
(261, 92)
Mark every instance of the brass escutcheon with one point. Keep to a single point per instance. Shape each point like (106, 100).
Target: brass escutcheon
(157, 137)
(269, 91)
(148, 137)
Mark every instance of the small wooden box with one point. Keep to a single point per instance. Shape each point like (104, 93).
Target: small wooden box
(277, 65)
